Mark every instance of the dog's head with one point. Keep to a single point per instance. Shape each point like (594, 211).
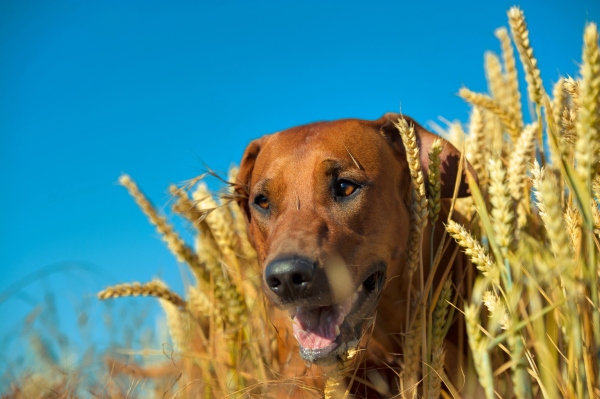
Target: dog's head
(327, 206)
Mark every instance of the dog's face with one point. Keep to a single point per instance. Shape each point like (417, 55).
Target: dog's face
(327, 206)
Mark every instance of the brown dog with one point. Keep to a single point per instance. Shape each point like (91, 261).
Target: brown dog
(327, 206)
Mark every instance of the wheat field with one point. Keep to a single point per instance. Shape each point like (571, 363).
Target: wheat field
(531, 228)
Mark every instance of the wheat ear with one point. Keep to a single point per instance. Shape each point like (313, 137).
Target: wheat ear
(559, 101)
(573, 221)
(228, 297)
(502, 212)
(588, 121)
(512, 93)
(478, 344)
(182, 252)
(412, 353)
(497, 309)
(333, 385)
(440, 322)
(553, 219)
(517, 173)
(419, 203)
(497, 86)
(571, 86)
(435, 180)
(493, 106)
(473, 248)
(518, 27)
(154, 288)
(476, 144)
(239, 224)
(179, 322)
(183, 205)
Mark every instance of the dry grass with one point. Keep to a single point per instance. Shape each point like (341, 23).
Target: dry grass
(531, 228)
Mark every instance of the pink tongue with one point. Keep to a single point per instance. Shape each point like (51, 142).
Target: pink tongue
(315, 328)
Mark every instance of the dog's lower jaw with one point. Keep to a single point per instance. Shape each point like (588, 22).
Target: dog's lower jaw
(325, 334)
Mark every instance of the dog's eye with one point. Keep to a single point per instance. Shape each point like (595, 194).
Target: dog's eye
(344, 188)
(262, 201)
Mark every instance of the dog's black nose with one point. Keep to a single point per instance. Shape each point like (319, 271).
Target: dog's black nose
(290, 277)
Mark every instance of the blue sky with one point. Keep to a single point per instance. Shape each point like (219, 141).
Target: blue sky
(90, 90)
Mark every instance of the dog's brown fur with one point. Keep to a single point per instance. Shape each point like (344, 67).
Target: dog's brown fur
(294, 169)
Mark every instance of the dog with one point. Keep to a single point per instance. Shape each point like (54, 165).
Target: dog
(327, 207)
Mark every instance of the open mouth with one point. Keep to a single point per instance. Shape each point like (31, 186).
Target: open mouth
(323, 332)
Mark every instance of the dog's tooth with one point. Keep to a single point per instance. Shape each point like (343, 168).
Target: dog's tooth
(360, 288)
(337, 330)
(354, 297)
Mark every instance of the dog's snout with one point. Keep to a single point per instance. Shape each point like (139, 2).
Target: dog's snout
(289, 278)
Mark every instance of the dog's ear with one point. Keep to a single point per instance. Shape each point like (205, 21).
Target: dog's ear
(450, 156)
(244, 177)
